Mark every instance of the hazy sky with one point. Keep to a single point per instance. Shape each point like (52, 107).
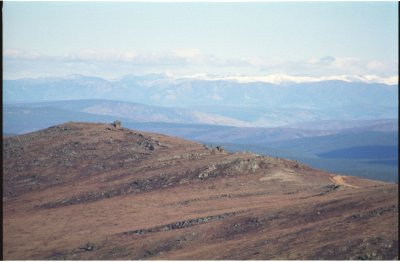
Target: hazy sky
(111, 39)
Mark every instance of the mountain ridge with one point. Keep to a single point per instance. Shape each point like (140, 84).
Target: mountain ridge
(143, 195)
(189, 92)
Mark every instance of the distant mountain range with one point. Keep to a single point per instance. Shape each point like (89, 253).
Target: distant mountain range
(27, 117)
(224, 102)
(103, 109)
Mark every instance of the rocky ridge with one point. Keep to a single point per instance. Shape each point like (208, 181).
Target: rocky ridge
(98, 191)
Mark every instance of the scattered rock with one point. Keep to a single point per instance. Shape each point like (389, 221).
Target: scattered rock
(209, 170)
(88, 247)
(116, 124)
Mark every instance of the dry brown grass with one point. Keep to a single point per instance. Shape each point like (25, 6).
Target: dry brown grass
(88, 191)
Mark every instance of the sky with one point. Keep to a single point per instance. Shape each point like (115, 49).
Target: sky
(112, 39)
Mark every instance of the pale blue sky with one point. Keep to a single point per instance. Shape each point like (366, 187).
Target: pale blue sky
(241, 38)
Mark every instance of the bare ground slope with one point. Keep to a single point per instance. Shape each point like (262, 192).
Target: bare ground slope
(92, 191)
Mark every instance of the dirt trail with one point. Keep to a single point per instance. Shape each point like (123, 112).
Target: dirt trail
(339, 180)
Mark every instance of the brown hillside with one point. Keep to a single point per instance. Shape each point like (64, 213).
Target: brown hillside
(94, 191)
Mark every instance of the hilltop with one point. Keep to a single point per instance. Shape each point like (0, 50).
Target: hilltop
(95, 191)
